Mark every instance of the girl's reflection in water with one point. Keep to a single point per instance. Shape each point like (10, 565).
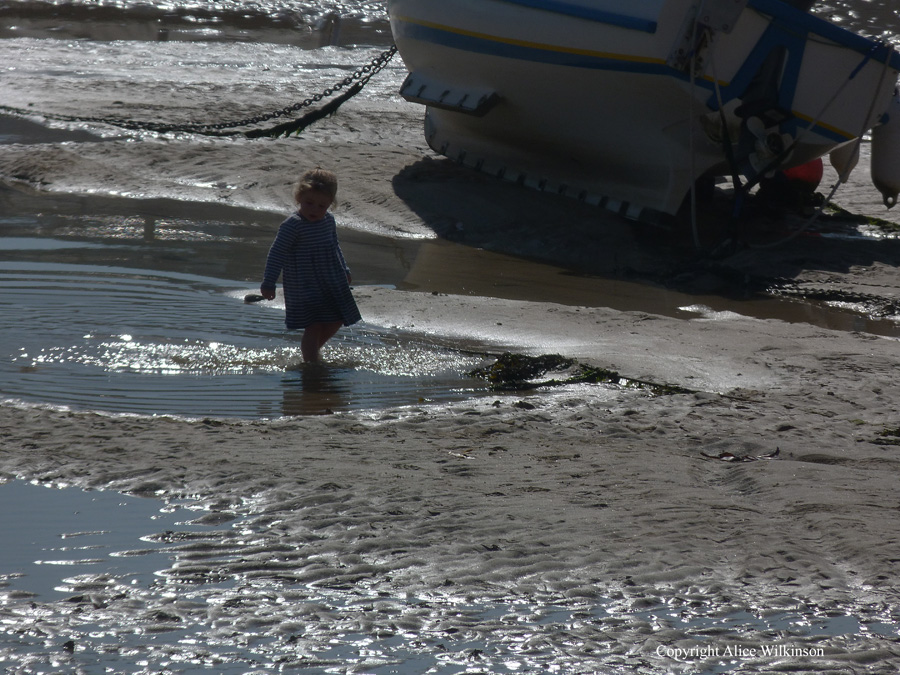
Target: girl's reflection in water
(314, 389)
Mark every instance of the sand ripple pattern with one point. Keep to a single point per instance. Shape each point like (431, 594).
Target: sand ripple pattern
(569, 537)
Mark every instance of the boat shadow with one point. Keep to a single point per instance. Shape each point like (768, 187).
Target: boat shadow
(713, 254)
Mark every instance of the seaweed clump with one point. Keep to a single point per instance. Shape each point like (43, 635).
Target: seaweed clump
(888, 436)
(518, 372)
(841, 214)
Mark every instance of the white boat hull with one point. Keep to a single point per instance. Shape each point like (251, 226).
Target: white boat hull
(598, 100)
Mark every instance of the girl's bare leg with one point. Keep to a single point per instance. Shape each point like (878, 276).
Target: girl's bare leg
(315, 336)
(309, 345)
(328, 331)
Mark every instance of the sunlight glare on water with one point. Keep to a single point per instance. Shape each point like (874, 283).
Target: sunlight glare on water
(131, 583)
(102, 315)
(198, 352)
(123, 353)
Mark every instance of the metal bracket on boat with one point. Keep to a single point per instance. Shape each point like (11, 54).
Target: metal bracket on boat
(720, 15)
(770, 148)
(701, 24)
(418, 88)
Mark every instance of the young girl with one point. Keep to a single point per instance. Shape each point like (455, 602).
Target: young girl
(316, 279)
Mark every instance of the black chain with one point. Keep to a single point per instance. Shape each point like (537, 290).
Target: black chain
(362, 76)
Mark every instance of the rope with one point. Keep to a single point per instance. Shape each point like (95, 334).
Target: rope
(358, 79)
(727, 147)
(695, 229)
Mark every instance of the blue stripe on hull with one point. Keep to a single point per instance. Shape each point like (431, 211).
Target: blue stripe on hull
(538, 54)
(558, 56)
(598, 15)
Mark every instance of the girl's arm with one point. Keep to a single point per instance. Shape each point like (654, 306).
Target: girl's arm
(278, 253)
(340, 254)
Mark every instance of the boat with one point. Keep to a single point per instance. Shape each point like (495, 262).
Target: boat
(633, 104)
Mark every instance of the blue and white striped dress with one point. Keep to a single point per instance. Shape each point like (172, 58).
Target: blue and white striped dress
(308, 257)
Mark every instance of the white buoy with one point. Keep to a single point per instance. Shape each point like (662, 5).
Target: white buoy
(844, 159)
(886, 154)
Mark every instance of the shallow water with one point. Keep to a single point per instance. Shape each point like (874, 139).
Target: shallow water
(104, 582)
(98, 313)
(63, 535)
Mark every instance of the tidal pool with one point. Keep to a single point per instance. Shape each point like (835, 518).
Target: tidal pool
(127, 314)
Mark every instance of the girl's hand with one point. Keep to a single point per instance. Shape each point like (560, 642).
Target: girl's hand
(349, 278)
(267, 293)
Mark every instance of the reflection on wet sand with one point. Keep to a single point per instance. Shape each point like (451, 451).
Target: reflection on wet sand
(193, 23)
(444, 267)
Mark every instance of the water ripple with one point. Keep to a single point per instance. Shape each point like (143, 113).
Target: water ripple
(140, 341)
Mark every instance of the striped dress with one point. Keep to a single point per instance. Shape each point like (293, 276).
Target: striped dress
(308, 257)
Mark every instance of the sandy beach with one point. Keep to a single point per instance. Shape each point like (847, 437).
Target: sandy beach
(767, 485)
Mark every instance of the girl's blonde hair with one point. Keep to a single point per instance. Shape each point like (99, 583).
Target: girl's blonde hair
(316, 180)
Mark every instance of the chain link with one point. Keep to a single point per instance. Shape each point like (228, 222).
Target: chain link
(361, 75)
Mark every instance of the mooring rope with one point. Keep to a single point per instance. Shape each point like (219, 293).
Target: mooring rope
(355, 81)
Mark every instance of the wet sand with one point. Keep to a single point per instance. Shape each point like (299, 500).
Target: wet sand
(770, 484)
